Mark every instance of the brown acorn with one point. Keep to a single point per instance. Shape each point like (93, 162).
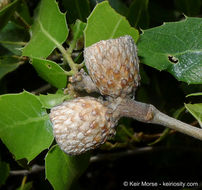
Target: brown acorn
(113, 66)
(81, 124)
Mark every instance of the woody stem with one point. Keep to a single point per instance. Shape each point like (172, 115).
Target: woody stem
(147, 113)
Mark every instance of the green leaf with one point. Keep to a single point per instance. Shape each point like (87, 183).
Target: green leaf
(7, 12)
(78, 29)
(25, 127)
(4, 172)
(77, 32)
(196, 111)
(77, 9)
(175, 47)
(104, 23)
(195, 94)
(13, 38)
(138, 13)
(50, 100)
(8, 64)
(49, 30)
(62, 170)
(51, 72)
(189, 8)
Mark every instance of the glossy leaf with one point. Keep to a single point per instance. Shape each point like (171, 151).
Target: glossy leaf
(196, 111)
(8, 64)
(7, 12)
(4, 172)
(104, 23)
(49, 30)
(77, 9)
(50, 100)
(62, 170)
(51, 72)
(25, 127)
(138, 13)
(175, 47)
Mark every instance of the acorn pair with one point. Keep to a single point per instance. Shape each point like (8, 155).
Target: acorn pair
(84, 123)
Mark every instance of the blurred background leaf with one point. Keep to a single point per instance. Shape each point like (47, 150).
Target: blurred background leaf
(7, 11)
(138, 14)
(4, 172)
(188, 7)
(196, 111)
(13, 38)
(77, 9)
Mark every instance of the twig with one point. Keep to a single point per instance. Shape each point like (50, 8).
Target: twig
(149, 114)
(14, 43)
(66, 55)
(139, 111)
(137, 151)
(34, 169)
(23, 182)
(111, 156)
(81, 81)
(21, 19)
(41, 89)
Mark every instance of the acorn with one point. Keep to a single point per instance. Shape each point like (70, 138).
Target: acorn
(113, 66)
(81, 124)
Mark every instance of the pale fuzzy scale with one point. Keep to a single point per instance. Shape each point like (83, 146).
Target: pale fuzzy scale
(80, 125)
(115, 66)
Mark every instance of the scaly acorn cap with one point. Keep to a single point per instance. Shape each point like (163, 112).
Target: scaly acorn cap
(81, 124)
(113, 66)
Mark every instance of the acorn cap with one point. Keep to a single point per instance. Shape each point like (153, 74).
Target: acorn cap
(81, 124)
(113, 66)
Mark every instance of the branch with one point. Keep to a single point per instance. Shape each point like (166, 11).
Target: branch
(116, 155)
(81, 81)
(41, 89)
(34, 169)
(21, 19)
(149, 114)
(137, 151)
(139, 111)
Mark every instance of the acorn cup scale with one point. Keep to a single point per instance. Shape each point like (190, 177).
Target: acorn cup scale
(113, 66)
(81, 124)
